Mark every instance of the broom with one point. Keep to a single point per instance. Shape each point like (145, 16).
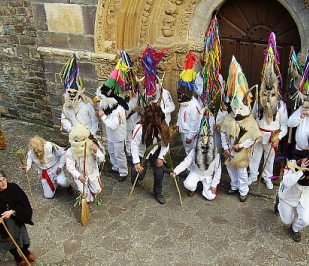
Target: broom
(147, 151)
(85, 214)
(168, 159)
(14, 242)
(21, 155)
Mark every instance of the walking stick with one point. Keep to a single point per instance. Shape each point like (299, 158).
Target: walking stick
(147, 151)
(14, 242)
(260, 176)
(169, 162)
(21, 154)
(273, 138)
(85, 214)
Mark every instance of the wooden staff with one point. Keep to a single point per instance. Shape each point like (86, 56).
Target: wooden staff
(21, 154)
(14, 242)
(85, 214)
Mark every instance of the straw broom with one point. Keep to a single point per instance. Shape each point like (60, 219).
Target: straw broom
(14, 242)
(85, 214)
(21, 155)
(147, 151)
(168, 159)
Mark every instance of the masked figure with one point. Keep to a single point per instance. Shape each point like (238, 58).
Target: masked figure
(84, 152)
(239, 131)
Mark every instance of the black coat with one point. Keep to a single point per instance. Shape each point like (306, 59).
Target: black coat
(14, 198)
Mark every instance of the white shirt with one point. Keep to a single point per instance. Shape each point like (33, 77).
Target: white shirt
(302, 131)
(83, 114)
(76, 167)
(290, 191)
(138, 149)
(134, 118)
(212, 174)
(189, 118)
(167, 105)
(279, 123)
(116, 125)
(54, 158)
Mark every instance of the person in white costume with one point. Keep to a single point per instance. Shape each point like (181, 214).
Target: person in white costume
(300, 119)
(77, 107)
(49, 158)
(268, 128)
(113, 114)
(294, 194)
(86, 179)
(204, 162)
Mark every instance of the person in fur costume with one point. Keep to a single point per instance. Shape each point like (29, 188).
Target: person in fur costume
(77, 107)
(293, 194)
(88, 179)
(152, 131)
(204, 161)
(49, 158)
(272, 117)
(239, 131)
(112, 112)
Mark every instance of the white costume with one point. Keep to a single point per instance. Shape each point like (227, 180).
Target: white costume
(131, 122)
(76, 168)
(188, 121)
(293, 196)
(209, 178)
(167, 105)
(84, 114)
(302, 132)
(116, 130)
(54, 158)
(264, 146)
(239, 176)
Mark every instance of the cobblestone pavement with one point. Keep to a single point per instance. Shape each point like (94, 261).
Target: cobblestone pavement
(140, 231)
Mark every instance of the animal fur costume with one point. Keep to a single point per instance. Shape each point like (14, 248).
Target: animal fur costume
(154, 125)
(232, 128)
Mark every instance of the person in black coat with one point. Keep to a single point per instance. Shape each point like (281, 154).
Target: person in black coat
(15, 211)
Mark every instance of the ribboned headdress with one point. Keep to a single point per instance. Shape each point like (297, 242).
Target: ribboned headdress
(237, 89)
(186, 84)
(150, 60)
(70, 74)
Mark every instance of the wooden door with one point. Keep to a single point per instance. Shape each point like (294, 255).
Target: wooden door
(245, 26)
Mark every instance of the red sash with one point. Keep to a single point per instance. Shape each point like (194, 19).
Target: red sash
(49, 182)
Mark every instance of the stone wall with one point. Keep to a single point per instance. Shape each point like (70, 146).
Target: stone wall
(22, 91)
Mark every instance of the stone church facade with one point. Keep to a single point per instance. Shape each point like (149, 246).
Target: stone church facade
(38, 37)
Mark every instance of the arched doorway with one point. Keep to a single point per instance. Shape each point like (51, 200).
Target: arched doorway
(245, 26)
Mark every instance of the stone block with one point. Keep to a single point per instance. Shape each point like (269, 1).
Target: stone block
(39, 16)
(51, 39)
(89, 15)
(81, 42)
(27, 40)
(65, 18)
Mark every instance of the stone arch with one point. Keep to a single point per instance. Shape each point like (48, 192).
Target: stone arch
(296, 8)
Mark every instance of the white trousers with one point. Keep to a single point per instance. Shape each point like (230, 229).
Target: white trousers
(187, 147)
(255, 159)
(239, 179)
(128, 141)
(191, 181)
(118, 157)
(91, 188)
(287, 215)
(60, 179)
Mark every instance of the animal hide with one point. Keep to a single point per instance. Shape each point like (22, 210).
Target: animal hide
(204, 148)
(2, 141)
